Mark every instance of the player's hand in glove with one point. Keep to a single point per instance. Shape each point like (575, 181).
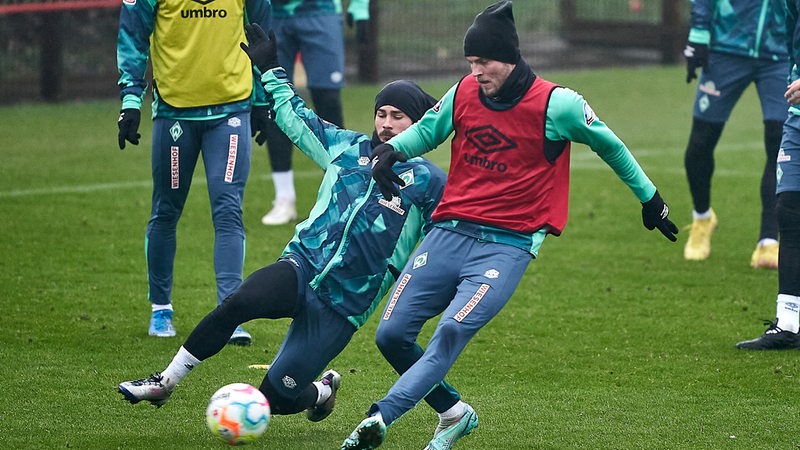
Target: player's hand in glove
(696, 57)
(383, 158)
(654, 215)
(128, 124)
(260, 119)
(263, 49)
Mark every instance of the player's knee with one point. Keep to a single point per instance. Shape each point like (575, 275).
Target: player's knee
(704, 135)
(165, 219)
(449, 330)
(227, 218)
(234, 307)
(392, 338)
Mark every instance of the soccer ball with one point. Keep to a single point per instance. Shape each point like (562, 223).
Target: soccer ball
(238, 414)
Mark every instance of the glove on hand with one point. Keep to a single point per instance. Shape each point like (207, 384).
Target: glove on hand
(696, 57)
(383, 158)
(263, 50)
(128, 124)
(654, 215)
(260, 117)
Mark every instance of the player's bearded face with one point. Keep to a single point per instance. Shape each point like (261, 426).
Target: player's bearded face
(390, 121)
(490, 74)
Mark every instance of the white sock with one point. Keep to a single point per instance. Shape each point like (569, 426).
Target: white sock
(788, 313)
(168, 306)
(701, 216)
(323, 392)
(180, 366)
(454, 413)
(767, 241)
(284, 185)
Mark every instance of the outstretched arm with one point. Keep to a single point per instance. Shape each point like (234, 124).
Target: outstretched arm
(322, 141)
(569, 117)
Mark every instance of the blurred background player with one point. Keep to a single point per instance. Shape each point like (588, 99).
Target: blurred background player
(338, 266)
(735, 44)
(783, 333)
(314, 31)
(204, 90)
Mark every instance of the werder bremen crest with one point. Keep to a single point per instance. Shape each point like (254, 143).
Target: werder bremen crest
(176, 131)
(407, 177)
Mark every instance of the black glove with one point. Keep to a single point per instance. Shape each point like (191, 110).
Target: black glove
(654, 215)
(383, 158)
(260, 117)
(128, 124)
(361, 28)
(696, 57)
(263, 50)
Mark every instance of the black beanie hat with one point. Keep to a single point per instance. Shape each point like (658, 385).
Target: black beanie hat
(406, 96)
(493, 35)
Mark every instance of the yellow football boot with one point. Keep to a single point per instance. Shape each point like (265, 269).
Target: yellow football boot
(698, 246)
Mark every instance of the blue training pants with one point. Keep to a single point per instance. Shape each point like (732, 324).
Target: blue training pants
(225, 144)
(468, 281)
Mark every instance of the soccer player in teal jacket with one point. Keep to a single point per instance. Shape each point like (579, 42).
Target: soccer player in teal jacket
(204, 93)
(339, 265)
(507, 188)
(736, 43)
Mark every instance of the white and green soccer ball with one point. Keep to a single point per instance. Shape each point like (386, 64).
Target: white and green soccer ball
(238, 414)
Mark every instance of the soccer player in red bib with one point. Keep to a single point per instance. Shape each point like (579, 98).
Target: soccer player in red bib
(506, 190)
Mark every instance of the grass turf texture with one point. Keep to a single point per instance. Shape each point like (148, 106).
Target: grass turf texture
(612, 340)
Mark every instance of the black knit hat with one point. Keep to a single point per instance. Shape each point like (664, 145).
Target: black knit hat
(493, 35)
(406, 96)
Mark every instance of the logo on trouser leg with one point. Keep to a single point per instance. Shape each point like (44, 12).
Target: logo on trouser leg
(174, 167)
(175, 131)
(233, 148)
(420, 260)
(401, 284)
(289, 382)
(472, 303)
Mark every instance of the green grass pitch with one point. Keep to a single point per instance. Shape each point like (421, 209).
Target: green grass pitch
(612, 340)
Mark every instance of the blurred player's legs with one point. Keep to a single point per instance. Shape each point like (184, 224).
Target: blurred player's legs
(765, 254)
(173, 162)
(784, 333)
(699, 164)
(720, 87)
(319, 41)
(226, 175)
